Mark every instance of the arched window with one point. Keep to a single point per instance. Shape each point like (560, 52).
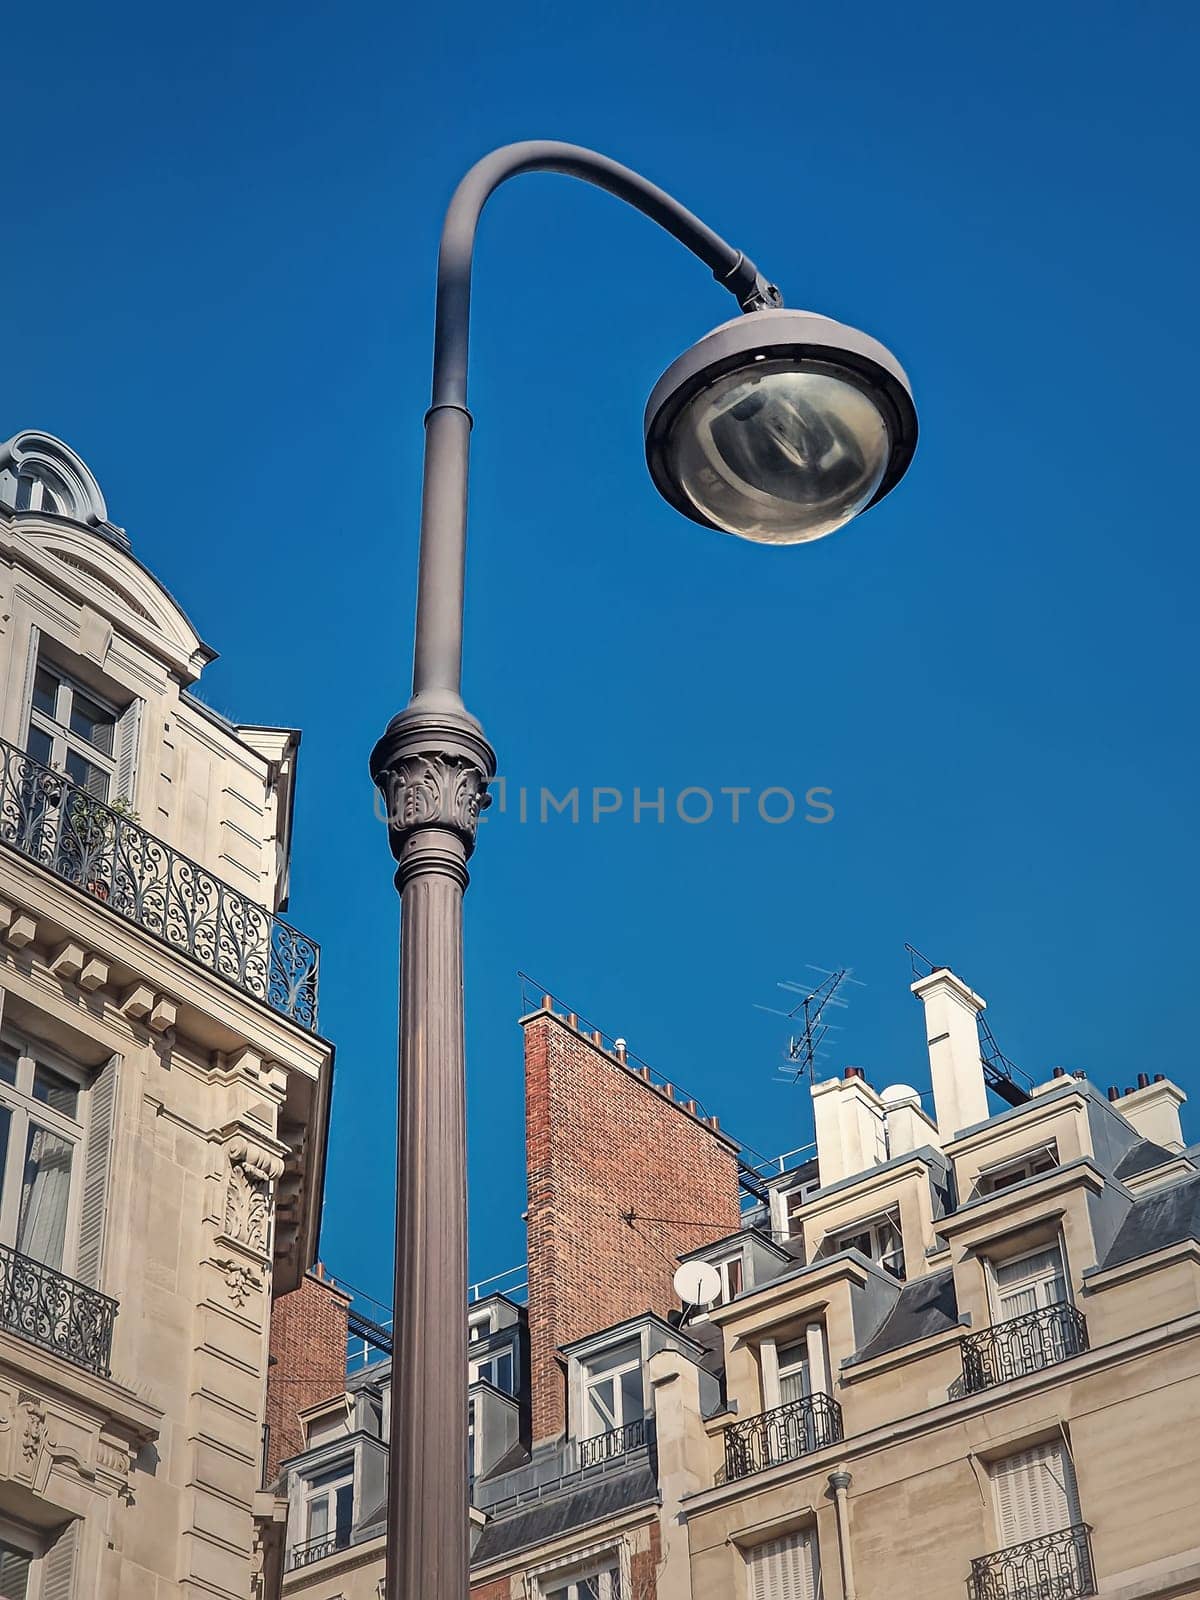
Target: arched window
(40, 490)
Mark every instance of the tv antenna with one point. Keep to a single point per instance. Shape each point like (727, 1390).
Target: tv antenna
(816, 998)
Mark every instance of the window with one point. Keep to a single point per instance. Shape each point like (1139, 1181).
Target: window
(14, 1572)
(496, 1370)
(1029, 1283)
(784, 1569)
(73, 731)
(41, 1139)
(592, 1583)
(797, 1198)
(329, 1505)
(1009, 1173)
(479, 1325)
(40, 491)
(794, 1373)
(879, 1240)
(613, 1396)
(1034, 1494)
(731, 1278)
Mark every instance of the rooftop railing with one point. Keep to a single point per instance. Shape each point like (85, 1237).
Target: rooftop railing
(312, 1550)
(108, 855)
(49, 1309)
(1023, 1344)
(1057, 1566)
(616, 1442)
(786, 1433)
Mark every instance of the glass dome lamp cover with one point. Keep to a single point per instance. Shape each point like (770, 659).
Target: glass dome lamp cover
(780, 426)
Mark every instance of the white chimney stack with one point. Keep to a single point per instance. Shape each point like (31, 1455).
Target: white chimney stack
(848, 1117)
(955, 1064)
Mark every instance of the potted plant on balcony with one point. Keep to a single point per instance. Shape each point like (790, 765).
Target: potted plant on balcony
(90, 828)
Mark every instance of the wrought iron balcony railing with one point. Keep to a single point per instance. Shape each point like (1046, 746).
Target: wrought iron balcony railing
(54, 1311)
(108, 855)
(304, 1555)
(617, 1442)
(1023, 1344)
(789, 1431)
(1058, 1566)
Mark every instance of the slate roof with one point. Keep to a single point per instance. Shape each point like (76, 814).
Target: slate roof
(546, 1519)
(1168, 1216)
(1141, 1158)
(926, 1306)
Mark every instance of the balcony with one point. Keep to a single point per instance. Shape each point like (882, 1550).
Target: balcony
(313, 1550)
(788, 1432)
(48, 1309)
(1030, 1343)
(109, 856)
(1058, 1566)
(604, 1447)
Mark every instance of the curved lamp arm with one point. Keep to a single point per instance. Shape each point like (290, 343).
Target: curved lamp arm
(437, 657)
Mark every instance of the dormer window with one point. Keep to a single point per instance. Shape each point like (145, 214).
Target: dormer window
(613, 1393)
(879, 1239)
(495, 1369)
(731, 1272)
(40, 490)
(1008, 1173)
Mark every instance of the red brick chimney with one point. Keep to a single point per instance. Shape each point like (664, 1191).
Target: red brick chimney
(602, 1141)
(308, 1360)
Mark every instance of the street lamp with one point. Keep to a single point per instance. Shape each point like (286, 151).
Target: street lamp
(779, 427)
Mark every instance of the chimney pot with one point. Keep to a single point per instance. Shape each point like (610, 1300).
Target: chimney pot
(547, 1002)
(1113, 1092)
(1143, 1080)
(598, 1038)
(1059, 1072)
(1160, 1077)
(572, 1020)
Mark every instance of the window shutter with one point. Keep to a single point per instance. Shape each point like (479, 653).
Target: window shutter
(784, 1569)
(88, 1259)
(31, 660)
(128, 726)
(58, 1566)
(1035, 1494)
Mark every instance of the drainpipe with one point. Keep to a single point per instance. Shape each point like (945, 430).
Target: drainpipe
(839, 1482)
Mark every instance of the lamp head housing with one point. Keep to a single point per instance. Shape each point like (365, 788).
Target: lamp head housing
(780, 426)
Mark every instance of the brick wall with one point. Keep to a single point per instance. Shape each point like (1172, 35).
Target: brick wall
(308, 1361)
(601, 1141)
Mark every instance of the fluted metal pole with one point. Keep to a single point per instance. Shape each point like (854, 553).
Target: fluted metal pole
(433, 766)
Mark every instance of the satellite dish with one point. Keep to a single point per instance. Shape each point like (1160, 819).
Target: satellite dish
(697, 1283)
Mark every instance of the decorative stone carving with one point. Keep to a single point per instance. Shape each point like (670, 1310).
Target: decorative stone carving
(34, 1434)
(240, 1280)
(248, 1195)
(426, 790)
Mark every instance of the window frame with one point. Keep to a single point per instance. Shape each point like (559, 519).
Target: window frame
(64, 740)
(1069, 1489)
(26, 1110)
(347, 1469)
(491, 1359)
(589, 1381)
(996, 1291)
(597, 1560)
(871, 1227)
(1017, 1169)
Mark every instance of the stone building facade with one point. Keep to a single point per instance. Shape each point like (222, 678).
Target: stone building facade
(951, 1350)
(164, 1089)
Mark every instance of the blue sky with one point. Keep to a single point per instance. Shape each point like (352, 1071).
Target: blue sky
(218, 275)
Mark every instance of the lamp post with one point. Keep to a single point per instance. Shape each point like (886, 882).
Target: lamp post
(779, 427)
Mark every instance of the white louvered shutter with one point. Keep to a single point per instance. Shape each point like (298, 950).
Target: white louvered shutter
(784, 1569)
(89, 1257)
(21, 734)
(58, 1566)
(1035, 1493)
(128, 725)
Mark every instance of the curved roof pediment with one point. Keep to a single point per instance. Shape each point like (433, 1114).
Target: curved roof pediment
(55, 500)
